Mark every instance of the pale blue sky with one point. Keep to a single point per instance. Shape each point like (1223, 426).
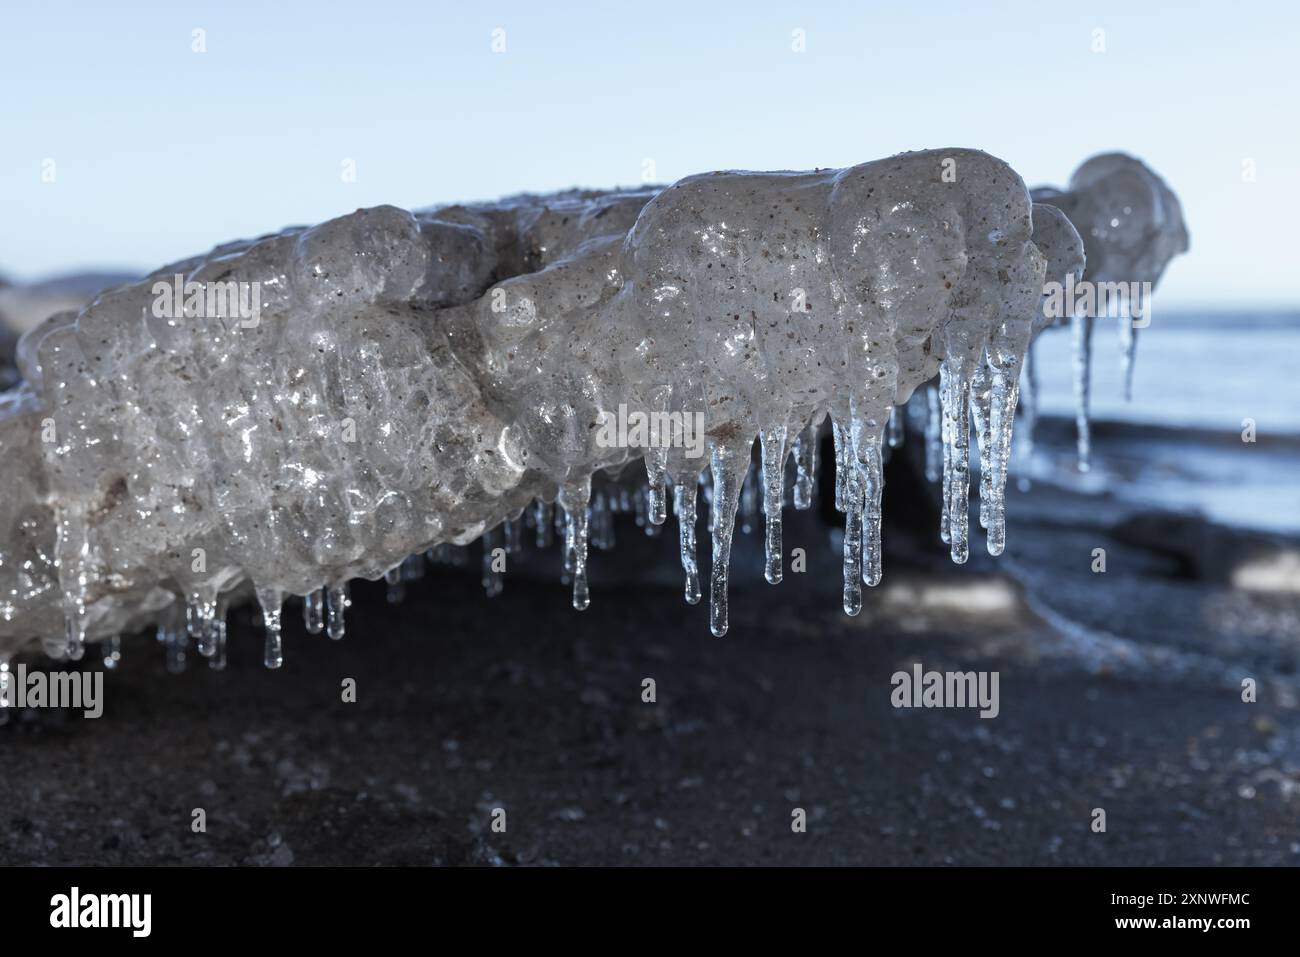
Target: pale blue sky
(161, 152)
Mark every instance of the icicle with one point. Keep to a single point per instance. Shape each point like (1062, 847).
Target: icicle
(1127, 350)
(75, 634)
(656, 456)
(805, 460)
(201, 613)
(640, 508)
(562, 523)
(981, 397)
(395, 593)
(843, 462)
(644, 519)
(873, 480)
(1029, 408)
(174, 637)
(726, 492)
(956, 457)
(1081, 326)
(73, 561)
(934, 447)
(1005, 392)
(493, 583)
(599, 513)
(338, 605)
(852, 543)
(574, 499)
(514, 537)
(895, 427)
(112, 651)
(945, 458)
(545, 521)
(176, 640)
(217, 637)
(684, 497)
(271, 600)
(773, 452)
(412, 571)
(313, 611)
(656, 467)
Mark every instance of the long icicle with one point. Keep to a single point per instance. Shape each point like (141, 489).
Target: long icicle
(656, 459)
(728, 474)
(1081, 328)
(1127, 348)
(843, 462)
(544, 517)
(773, 450)
(896, 432)
(72, 558)
(1029, 414)
(490, 575)
(945, 459)
(853, 501)
(313, 611)
(1005, 393)
(805, 463)
(981, 398)
(574, 499)
(174, 637)
(933, 434)
(873, 480)
(684, 499)
(513, 530)
(956, 414)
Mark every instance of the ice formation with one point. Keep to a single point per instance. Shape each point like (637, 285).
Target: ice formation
(1132, 227)
(420, 380)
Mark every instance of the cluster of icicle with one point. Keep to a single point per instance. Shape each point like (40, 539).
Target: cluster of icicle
(418, 381)
(1132, 226)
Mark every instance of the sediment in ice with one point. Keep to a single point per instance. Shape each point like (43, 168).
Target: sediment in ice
(415, 380)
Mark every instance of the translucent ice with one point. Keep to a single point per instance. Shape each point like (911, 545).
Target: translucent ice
(416, 380)
(1132, 227)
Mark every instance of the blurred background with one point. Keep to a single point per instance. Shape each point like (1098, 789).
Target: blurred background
(132, 137)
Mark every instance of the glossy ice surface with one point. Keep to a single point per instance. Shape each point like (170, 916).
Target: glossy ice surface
(416, 379)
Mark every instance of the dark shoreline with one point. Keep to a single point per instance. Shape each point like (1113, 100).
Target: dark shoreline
(1119, 691)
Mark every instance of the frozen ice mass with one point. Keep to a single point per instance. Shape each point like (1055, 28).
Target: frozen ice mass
(414, 381)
